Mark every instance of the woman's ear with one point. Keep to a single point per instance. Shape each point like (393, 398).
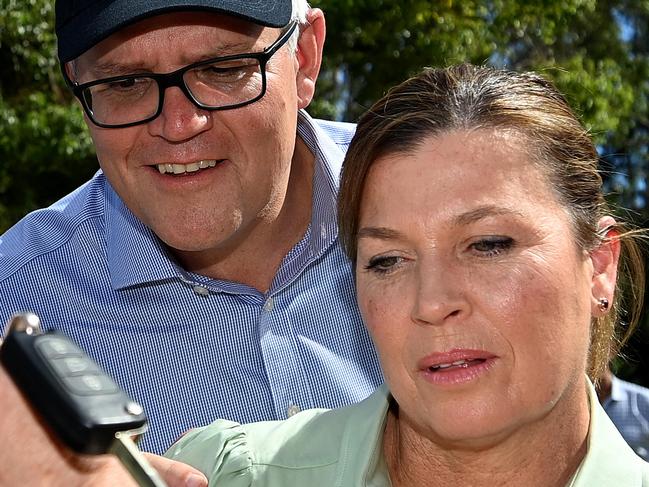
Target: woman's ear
(309, 55)
(605, 258)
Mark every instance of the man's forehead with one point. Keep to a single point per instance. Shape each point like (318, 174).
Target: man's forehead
(182, 38)
(210, 28)
(192, 19)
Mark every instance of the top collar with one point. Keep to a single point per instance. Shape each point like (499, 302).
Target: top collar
(609, 459)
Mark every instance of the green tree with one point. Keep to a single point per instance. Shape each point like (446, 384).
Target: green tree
(582, 45)
(45, 149)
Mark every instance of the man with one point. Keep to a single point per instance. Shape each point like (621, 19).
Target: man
(201, 266)
(627, 405)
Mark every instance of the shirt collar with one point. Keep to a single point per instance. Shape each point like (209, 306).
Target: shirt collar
(328, 159)
(137, 256)
(609, 460)
(365, 426)
(617, 392)
(322, 231)
(134, 254)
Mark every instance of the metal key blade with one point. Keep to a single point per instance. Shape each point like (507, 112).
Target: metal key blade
(132, 458)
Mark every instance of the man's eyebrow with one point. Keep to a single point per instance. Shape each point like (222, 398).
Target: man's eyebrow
(483, 212)
(241, 47)
(381, 233)
(108, 69)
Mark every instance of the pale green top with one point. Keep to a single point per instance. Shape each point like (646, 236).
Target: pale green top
(342, 448)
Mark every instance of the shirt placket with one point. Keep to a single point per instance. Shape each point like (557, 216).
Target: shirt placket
(287, 377)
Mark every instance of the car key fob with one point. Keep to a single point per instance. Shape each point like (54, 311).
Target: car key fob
(77, 399)
(81, 403)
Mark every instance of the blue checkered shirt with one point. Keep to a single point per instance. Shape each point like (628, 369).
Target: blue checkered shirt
(628, 408)
(189, 348)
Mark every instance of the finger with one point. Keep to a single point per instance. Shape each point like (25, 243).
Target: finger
(176, 474)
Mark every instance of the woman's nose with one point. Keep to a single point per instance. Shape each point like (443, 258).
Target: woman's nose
(441, 297)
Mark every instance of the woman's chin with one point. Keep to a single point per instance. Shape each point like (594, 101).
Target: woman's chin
(473, 423)
(478, 434)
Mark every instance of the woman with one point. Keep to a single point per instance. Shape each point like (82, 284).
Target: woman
(487, 266)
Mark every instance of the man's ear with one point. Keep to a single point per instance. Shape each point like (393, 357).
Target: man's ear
(605, 258)
(309, 55)
(70, 72)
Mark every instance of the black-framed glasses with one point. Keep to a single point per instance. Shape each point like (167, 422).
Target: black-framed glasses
(220, 83)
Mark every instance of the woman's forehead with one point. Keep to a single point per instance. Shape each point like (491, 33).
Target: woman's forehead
(481, 152)
(462, 169)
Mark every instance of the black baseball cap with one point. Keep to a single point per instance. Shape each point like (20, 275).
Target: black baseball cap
(80, 24)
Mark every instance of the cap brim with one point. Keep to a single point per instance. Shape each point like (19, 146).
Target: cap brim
(82, 32)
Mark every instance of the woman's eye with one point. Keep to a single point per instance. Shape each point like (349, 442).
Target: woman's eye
(492, 246)
(383, 265)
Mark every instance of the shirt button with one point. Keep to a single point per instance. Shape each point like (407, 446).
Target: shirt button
(201, 291)
(269, 304)
(293, 410)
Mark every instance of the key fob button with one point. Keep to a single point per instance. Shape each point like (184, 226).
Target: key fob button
(68, 366)
(90, 384)
(53, 347)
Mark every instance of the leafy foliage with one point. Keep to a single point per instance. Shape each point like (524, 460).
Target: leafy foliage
(45, 149)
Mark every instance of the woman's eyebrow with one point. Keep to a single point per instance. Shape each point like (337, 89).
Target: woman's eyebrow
(385, 233)
(483, 212)
(381, 233)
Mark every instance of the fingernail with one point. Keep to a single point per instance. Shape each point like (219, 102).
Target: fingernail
(196, 481)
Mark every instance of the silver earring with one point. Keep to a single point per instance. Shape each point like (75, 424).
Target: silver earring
(603, 304)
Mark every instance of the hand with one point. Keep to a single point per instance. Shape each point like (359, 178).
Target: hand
(31, 455)
(175, 473)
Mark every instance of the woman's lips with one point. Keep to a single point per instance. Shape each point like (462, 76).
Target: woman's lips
(463, 363)
(456, 366)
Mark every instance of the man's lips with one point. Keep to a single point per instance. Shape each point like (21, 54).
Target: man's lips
(454, 359)
(191, 167)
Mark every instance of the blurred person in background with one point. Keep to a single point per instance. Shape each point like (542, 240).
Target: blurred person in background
(627, 404)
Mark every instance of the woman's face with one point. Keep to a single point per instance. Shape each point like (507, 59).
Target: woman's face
(472, 286)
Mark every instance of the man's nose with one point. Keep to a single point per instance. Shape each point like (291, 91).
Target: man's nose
(180, 118)
(441, 296)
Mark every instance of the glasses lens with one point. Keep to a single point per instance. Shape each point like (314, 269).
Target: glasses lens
(224, 83)
(122, 101)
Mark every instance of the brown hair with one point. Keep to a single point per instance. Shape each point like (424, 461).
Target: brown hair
(467, 97)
